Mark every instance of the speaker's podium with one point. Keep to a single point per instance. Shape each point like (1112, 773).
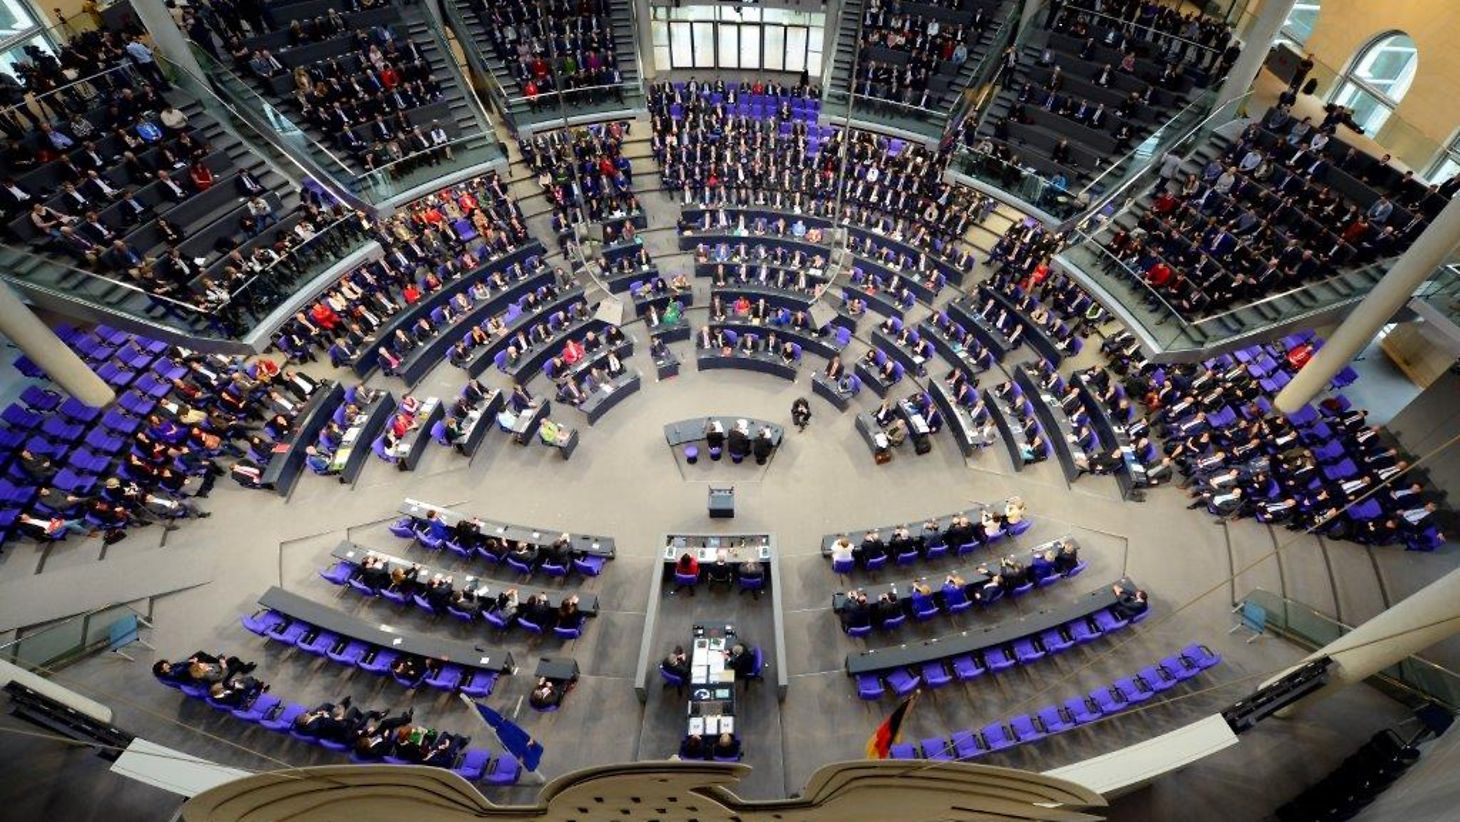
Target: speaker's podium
(722, 502)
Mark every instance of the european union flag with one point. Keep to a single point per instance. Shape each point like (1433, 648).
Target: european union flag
(517, 741)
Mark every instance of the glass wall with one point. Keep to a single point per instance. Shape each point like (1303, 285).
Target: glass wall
(1299, 25)
(20, 26)
(735, 37)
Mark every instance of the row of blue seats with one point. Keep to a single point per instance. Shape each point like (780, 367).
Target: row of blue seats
(1104, 701)
(272, 713)
(437, 540)
(1022, 651)
(368, 657)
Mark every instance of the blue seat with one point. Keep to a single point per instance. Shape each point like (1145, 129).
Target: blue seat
(998, 659)
(966, 667)
(318, 645)
(1054, 641)
(1201, 656)
(1052, 720)
(1153, 677)
(264, 622)
(1023, 729)
(1026, 651)
(869, 686)
(937, 748)
(339, 573)
(380, 663)
(902, 750)
(671, 679)
(996, 737)
(1131, 690)
(473, 764)
(966, 744)
(284, 720)
(859, 631)
(589, 566)
(478, 684)
(935, 675)
(903, 681)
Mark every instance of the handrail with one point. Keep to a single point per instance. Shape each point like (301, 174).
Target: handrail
(1129, 23)
(989, 66)
(381, 169)
(1201, 99)
(208, 63)
(92, 275)
(13, 650)
(269, 269)
(31, 97)
(1233, 105)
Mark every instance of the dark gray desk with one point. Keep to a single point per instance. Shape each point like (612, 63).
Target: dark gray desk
(623, 349)
(985, 639)
(966, 430)
(1132, 472)
(354, 449)
(468, 655)
(677, 332)
(966, 315)
(911, 362)
(287, 458)
(871, 432)
(872, 378)
(1058, 429)
(561, 669)
(610, 394)
(914, 528)
(721, 502)
(1009, 427)
(420, 361)
(824, 347)
(761, 362)
(666, 366)
(708, 548)
(355, 554)
(480, 422)
(585, 544)
(693, 430)
(414, 443)
(830, 391)
(529, 420)
(792, 301)
(877, 301)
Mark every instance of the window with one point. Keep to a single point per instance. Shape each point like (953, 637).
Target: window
(731, 37)
(1299, 25)
(20, 26)
(1377, 80)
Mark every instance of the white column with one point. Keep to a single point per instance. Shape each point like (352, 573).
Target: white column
(46, 350)
(1031, 11)
(1412, 268)
(1428, 616)
(166, 36)
(1256, 43)
(643, 19)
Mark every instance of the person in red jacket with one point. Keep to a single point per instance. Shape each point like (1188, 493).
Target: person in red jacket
(687, 566)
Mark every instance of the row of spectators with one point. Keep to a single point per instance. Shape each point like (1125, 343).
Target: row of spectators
(555, 46)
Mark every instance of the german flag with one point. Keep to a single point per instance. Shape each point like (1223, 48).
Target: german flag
(880, 743)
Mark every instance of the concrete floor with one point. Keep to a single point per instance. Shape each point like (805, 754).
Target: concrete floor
(623, 481)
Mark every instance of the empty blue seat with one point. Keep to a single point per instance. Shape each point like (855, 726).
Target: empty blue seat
(937, 748)
(965, 667)
(1052, 720)
(996, 737)
(902, 681)
(1023, 728)
(966, 744)
(935, 675)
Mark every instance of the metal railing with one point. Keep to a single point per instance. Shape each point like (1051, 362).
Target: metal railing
(46, 647)
(1173, 132)
(1050, 195)
(1415, 678)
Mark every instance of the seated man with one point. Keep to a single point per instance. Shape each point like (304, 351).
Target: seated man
(1128, 603)
(855, 612)
(726, 747)
(676, 663)
(719, 573)
(546, 694)
(237, 692)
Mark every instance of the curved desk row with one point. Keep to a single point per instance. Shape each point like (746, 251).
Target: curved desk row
(971, 434)
(694, 430)
(661, 301)
(914, 527)
(610, 394)
(619, 281)
(355, 554)
(973, 579)
(581, 544)
(991, 638)
(354, 448)
(530, 364)
(592, 358)
(420, 360)
(469, 655)
(688, 242)
(759, 361)
(825, 347)
(486, 354)
(792, 301)
(413, 444)
(368, 359)
(889, 346)
(953, 350)
(1058, 428)
(479, 423)
(1035, 334)
(963, 312)
(287, 458)
(948, 268)
(831, 390)
(879, 301)
(1009, 426)
(785, 277)
(670, 332)
(1132, 472)
(873, 379)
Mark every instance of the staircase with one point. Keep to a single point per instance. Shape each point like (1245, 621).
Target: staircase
(506, 92)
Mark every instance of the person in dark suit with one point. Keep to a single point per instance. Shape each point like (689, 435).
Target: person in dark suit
(855, 612)
(739, 439)
(763, 445)
(1128, 603)
(676, 662)
(741, 660)
(377, 738)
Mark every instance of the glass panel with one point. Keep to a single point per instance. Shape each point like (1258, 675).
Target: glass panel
(776, 15)
(661, 58)
(16, 53)
(660, 33)
(682, 45)
(1369, 111)
(704, 45)
(698, 13)
(775, 48)
(1299, 25)
(750, 15)
(1447, 168)
(813, 64)
(730, 45)
(795, 49)
(750, 47)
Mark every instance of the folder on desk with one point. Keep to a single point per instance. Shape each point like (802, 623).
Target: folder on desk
(696, 725)
(727, 725)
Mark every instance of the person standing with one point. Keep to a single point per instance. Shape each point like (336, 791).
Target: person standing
(800, 413)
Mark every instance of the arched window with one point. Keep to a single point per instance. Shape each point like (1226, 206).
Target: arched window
(1377, 79)
(1299, 25)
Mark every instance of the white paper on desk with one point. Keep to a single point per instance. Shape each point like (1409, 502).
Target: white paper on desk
(702, 673)
(727, 724)
(712, 725)
(696, 725)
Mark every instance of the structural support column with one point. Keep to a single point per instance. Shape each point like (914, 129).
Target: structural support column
(1030, 13)
(166, 36)
(1256, 43)
(46, 350)
(1428, 616)
(644, 31)
(1412, 268)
